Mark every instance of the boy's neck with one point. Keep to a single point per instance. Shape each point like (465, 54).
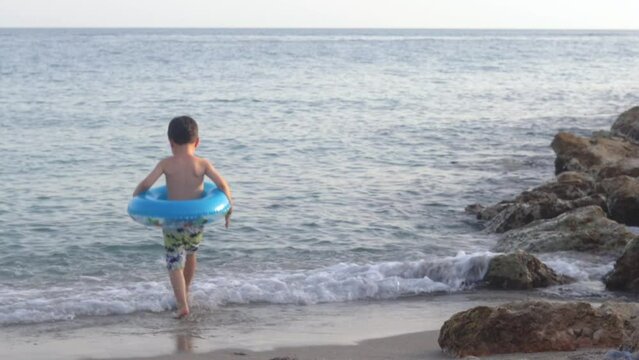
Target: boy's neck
(184, 149)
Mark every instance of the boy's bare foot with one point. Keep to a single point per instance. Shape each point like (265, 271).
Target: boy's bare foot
(182, 313)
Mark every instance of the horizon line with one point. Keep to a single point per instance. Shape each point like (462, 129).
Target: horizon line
(300, 28)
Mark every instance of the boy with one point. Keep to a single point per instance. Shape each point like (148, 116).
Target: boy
(184, 174)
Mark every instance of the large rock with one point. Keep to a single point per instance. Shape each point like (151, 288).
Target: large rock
(569, 191)
(627, 125)
(622, 194)
(582, 229)
(625, 275)
(570, 185)
(537, 206)
(487, 212)
(601, 156)
(536, 327)
(520, 271)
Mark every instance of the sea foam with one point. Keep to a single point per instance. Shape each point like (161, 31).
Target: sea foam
(335, 283)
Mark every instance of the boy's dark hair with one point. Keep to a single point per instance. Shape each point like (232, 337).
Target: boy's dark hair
(183, 130)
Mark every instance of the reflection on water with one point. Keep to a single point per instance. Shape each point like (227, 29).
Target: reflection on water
(184, 342)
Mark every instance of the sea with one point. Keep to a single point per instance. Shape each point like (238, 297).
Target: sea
(351, 154)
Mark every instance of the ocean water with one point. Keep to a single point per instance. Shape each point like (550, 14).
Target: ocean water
(351, 154)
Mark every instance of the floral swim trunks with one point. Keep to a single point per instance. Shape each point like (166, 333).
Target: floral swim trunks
(180, 242)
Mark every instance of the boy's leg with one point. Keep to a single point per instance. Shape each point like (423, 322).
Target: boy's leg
(179, 290)
(189, 270)
(191, 246)
(175, 261)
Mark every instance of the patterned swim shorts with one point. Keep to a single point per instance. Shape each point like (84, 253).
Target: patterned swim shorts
(179, 242)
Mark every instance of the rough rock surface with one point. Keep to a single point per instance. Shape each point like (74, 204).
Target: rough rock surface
(570, 185)
(600, 156)
(569, 191)
(533, 206)
(536, 326)
(520, 271)
(625, 275)
(627, 125)
(583, 229)
(622, 194)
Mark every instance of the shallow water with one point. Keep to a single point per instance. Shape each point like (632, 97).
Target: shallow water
(351, 154)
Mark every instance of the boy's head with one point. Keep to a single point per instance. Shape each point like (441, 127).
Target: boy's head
(183, 130)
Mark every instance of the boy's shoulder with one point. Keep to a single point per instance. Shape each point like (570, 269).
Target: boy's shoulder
(166, 160)
(202, 160)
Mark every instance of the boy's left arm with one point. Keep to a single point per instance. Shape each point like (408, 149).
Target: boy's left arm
(145, 184)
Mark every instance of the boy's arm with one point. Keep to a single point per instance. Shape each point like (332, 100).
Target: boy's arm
(222, 185)
(145, 184)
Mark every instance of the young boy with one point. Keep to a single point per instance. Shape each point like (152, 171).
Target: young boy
(184, 174)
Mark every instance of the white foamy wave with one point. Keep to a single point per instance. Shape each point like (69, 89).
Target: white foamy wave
(581, 269)
(345, 282)
(336, 283)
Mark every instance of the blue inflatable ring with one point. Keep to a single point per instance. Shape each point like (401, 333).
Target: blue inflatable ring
(153, 209)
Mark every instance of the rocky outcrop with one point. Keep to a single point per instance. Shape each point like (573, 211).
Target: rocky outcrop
(489, 212)
(569, 191)
(570, 185)
(537, 327)
(600, 156)
(532, 206)
(582, 229)
(520, 271)
(627, 125)
(618, 196)
(622, 194)
(625, 275)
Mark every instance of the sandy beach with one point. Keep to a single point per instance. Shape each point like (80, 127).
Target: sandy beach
(406, 329)
(420, 345)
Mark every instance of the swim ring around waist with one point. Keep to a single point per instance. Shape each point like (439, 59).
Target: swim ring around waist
(152, 208)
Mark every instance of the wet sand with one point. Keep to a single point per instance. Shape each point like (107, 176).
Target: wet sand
(405, 329)
(420, 345)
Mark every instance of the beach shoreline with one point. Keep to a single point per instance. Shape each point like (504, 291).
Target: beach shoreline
(402, 329)
(420, 345)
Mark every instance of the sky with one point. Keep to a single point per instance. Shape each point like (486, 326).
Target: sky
(525, 14)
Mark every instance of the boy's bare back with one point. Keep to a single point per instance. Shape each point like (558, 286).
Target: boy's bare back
(184, 176)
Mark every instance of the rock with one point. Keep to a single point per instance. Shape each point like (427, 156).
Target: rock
(583, 229)
(622, 194)
(628, 166)
(627, 125)
(534, 326)
(570, 185)
(520, 271)
(599, 156)
(625, 275)
(487, 213)
(474, 209)
(569, 191)
(536, 206)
